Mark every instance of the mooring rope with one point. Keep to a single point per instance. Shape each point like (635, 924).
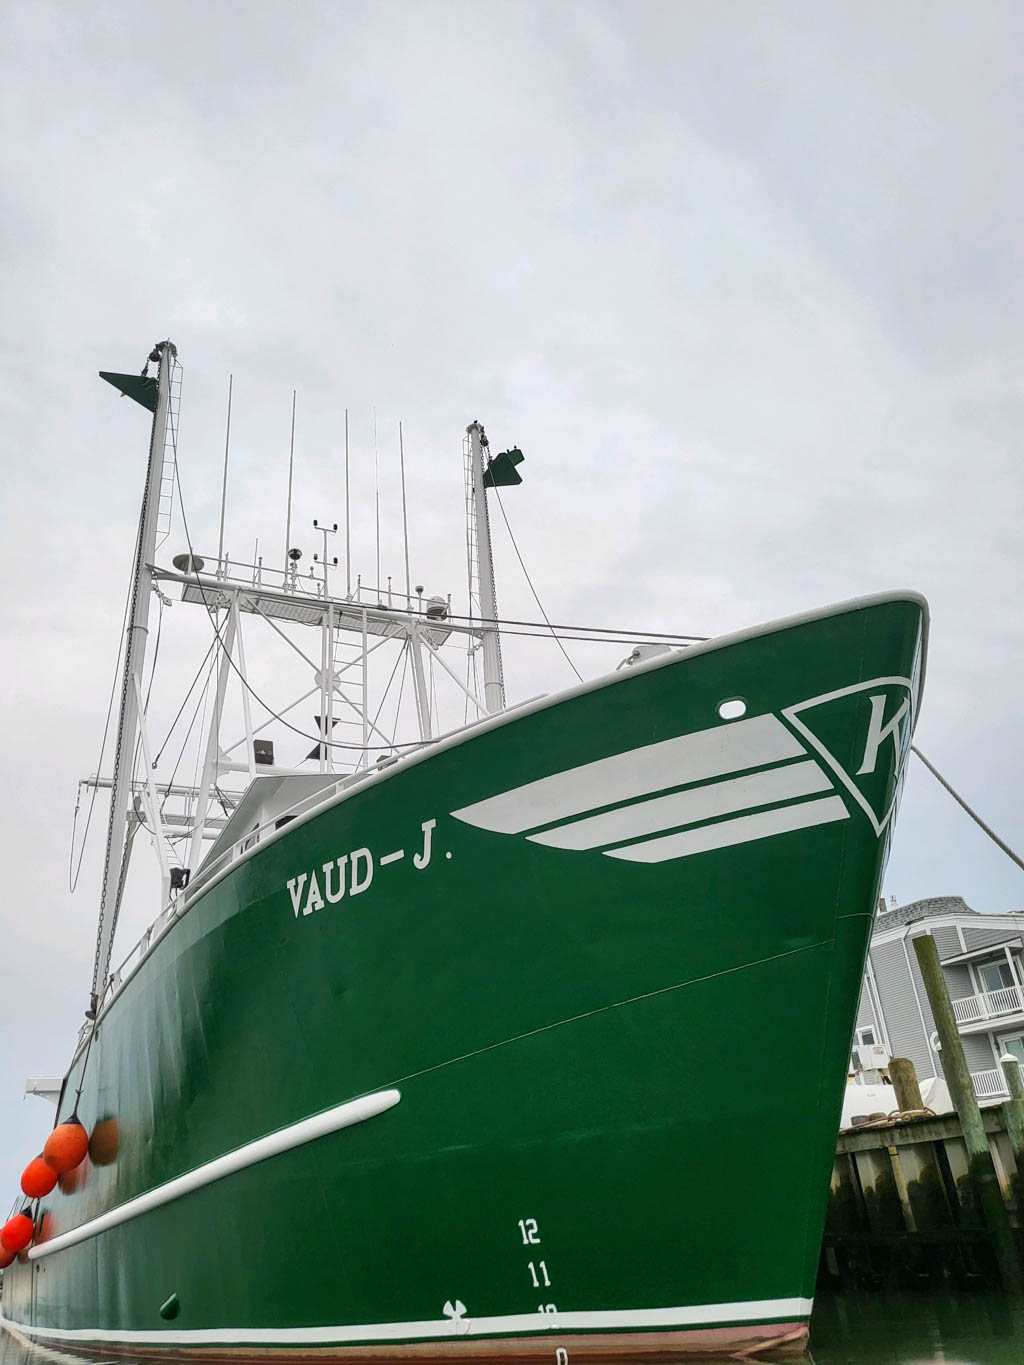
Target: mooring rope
(969, 809)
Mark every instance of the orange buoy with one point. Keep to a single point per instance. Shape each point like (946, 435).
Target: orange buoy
(38, 1178)
(104, 1141)
(16, 1233)
(6, 1257)
(66, 1145)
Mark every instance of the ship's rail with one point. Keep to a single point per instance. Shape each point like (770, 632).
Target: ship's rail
(313, 583)
(209, 872)
(286, 595)
(213, 870)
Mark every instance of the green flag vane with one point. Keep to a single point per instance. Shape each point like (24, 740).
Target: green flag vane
(501, 469)
(141, 387)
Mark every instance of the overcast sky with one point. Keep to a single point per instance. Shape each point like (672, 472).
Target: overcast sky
(743, 280)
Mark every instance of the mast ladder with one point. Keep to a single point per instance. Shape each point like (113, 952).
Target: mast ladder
(168, 473)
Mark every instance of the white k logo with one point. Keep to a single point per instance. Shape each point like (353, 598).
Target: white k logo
(809, 717)
(879, 733)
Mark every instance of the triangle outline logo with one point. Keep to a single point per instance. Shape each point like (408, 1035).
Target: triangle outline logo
(899, 729)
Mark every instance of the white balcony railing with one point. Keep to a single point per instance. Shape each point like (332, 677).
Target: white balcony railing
(989, 1005)
(988, 1084)
(1007, 1001)
(967, 1009)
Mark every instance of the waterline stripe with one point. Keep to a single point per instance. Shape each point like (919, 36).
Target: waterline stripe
(306, 1130)
(689, 807)
(697, 1315)
(742, 830)
(696, 757)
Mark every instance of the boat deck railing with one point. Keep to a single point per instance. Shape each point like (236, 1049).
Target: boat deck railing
(313, 582)
(212, 871)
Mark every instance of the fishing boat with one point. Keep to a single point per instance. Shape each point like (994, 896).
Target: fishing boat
(524, 1039)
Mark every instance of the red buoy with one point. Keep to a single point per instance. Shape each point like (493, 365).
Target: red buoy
(6, 1257)
(38, 1178)
(16, 1233)
(66, 1145)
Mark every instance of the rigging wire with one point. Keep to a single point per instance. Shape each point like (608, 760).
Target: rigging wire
(184, 703)
(74, 872)
(529, 580)
(380, 708)
(595, 631)
(184, 743)
(199, 754)
(1014, 857)
(401, 687)
(156, 652)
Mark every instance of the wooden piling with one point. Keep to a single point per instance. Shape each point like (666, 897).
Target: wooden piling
(958, 1078)
(1014, 1080)
(1013, 1109)
(899, 1179)
(904, 1083)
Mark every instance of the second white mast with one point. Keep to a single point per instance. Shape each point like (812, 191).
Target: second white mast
(494, 682)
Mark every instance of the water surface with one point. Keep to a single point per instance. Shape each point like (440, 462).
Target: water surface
(926, 1328)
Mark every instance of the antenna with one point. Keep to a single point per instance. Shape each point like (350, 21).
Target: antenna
(405, 517)
(348, 521)
(291, 465)
(224, 484)
(376, 488)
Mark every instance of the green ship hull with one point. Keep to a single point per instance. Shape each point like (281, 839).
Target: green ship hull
(531, 1046)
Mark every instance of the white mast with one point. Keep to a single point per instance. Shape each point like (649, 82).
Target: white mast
(118, 847)
(494, 683)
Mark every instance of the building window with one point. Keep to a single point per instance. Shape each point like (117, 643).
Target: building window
(866, 1036)
(995, 976)
(1013, 1043)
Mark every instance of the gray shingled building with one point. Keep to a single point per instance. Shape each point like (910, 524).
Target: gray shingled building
(983, 961)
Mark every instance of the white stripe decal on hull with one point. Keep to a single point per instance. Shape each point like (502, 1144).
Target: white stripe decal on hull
(743, 830)
(696, 1315)
(307, 1130)
(689, 807)
(724, 749)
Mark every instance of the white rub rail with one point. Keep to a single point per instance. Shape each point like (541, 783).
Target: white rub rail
(295, 1135)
